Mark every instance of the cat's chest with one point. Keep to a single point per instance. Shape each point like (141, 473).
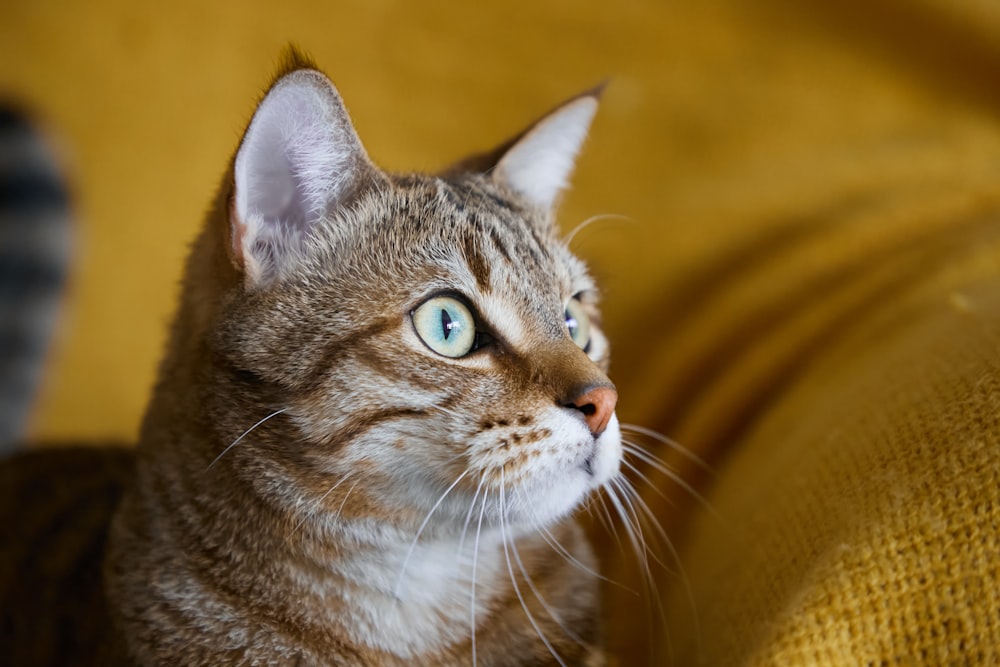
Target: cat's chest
(414, 599)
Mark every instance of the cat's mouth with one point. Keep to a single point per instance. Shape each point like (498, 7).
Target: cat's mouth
(567, 468)
(604, 460)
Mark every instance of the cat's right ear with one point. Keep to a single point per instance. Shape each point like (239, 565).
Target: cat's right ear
(299, 162)
(537, 163)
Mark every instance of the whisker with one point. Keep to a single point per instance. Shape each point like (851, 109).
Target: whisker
(244, 434)
(669, 442)
(633, 528)
(650, 460)
(591, 220)
(420, 530)
(541, 600)
(455, 457)
(607, 519)
(475, 562)
(343, 502)
(654, 522)
(319, 503)
(675, 557)
(629, 496)
(551, 540)
(513, 579)
(635, 503)
(468, 516)
(638, 473)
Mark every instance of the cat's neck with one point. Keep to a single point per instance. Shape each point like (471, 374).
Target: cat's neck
(401, 597)
(377, 585)
(413, 598)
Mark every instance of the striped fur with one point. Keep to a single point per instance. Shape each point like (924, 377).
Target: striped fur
(314, 485)
(34, 245)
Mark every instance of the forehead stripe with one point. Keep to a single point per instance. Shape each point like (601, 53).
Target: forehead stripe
(475, 258)
(499, 244)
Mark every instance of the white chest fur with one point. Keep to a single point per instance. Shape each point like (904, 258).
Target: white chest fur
(414, 599)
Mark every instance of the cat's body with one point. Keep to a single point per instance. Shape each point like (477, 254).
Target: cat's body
(382, 398)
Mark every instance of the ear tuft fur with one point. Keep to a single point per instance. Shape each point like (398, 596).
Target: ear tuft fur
(293, 58)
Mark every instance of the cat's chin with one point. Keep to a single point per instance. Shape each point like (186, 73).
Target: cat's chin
(544, 500)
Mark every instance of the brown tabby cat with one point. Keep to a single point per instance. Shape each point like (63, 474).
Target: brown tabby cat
(382, 398)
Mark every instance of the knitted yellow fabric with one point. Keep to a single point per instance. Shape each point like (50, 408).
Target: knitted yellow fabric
(859, 523)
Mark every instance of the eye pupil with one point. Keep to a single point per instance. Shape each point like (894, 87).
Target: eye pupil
(446, 323)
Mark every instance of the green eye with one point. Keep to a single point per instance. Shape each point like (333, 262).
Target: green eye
(445, 325)
(578, 323)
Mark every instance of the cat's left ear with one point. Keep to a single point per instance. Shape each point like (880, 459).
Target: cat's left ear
(300, 162)
(537, 163)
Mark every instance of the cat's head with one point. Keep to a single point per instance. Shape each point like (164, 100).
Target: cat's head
(422, 342)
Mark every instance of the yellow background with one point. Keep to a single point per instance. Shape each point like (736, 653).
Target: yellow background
(150, 100)
(722, 119)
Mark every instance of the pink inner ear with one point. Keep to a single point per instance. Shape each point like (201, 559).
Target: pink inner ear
(298, 162)
(289, 142)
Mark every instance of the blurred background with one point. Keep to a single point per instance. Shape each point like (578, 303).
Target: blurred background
(719, 117)
(730, 131)
(149, 102)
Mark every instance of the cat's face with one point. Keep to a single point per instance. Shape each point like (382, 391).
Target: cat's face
(441, 332)
(432, 346)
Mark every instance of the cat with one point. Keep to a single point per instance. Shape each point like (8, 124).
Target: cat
(382, 399)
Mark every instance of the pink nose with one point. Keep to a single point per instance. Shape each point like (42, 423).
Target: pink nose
(597, 405)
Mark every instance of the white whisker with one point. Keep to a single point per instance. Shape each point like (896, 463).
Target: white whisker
(591, 220)
(541, 600)
(343, 502)
(641, 475)
(627, 496)
(468, 516)
(669, 442)
(420, 530)
(319, 502)
(633, 527)
(475, 562)
(551, 540)
(513, 579)
(244, 434)
(635, 450)
(674, 555)
(632, 531)
(607, 519)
